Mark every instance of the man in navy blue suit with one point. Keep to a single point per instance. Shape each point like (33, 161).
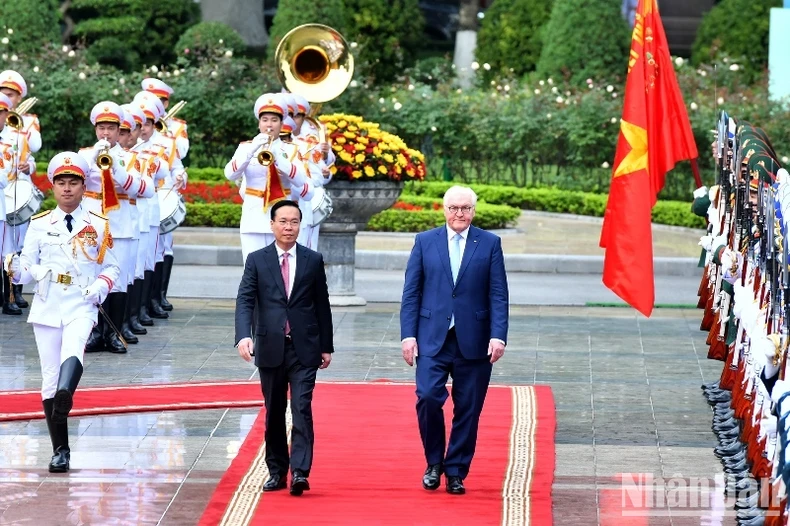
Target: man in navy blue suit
(454, 319)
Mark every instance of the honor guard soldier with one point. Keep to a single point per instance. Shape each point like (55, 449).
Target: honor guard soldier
(165, 148)
(23, 132)
(69, 255)
(9, 159)
(271, 170)
(110, 188)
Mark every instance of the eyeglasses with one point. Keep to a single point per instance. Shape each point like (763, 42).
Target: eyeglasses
(464, 209)
(283, 222)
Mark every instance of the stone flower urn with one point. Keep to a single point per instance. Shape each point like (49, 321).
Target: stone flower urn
(353, 203)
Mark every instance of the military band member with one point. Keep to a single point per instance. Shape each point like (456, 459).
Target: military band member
(165, 148)
(281, 176)
(110, 190)
(175, 128)
(69, 254)
(153, 169)
(27, 140)
(9, 159)
(320, 156)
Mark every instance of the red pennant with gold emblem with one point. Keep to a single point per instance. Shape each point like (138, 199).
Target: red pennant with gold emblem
(274, 189)
(109, 199)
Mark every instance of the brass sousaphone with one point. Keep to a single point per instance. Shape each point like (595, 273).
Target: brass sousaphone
(313, 60)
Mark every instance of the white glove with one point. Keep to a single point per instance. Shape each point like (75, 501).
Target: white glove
(99, 146)
(257, 143)
(699, 192)
(705, 242)
(728, 259)
(96, 292)
(13, 266)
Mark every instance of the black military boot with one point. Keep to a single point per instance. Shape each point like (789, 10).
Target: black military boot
(18, 299)
(155, 309)
(167, 268)
(126, 329)
(9, 307)
(135, 293)
(59, 436)
(145, 293)
(116, 301)
(68, 379)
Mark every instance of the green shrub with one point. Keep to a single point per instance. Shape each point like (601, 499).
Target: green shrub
(208, 39)
(509, 38)
(557, 201)
(213, 215)
(738, 29)
(33, 24)
(128, 33)
(293, 13)
(585, 40)
(388, 35)
(396, 220)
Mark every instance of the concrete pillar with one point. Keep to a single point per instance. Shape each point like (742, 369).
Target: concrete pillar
(778, 44)
(245, 16)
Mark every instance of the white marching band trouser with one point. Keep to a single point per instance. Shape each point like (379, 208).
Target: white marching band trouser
(124, 253)
(143, 247)
(252, 242)
(7, 242)
(55, 346)
(21, 230)
(150, 252)
(168, 245)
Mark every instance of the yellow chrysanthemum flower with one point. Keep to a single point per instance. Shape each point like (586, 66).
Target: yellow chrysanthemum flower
(389, 158)
(376, 151)
(369, 171)
(359, 158)
(342, 124)
(398, 169)
(356, 174)
(333, 169)
(382, 169)
(402, 160)
(359, 146)
(349, 135)
(346, 157)
(362, 140)
(341, 140)
(353, 128)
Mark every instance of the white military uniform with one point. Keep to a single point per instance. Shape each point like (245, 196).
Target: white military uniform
(262, 186)
(126, 185)
(176, 128)
(7, 160)
(64, 264)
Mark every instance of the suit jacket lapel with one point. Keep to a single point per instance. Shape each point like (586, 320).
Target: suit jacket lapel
(472, 240)
(444, 252)
(302, 256)
(273, 262)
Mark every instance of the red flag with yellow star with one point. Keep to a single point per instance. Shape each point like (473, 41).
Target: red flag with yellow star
(655, 134)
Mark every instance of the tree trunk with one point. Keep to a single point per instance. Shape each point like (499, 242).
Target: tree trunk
(245, 16)
(465, 43)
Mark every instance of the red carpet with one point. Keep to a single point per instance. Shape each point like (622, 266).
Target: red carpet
(369, 463)
(26, 405)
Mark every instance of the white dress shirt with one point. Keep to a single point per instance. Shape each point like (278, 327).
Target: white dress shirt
(291, 264)
(450, 235)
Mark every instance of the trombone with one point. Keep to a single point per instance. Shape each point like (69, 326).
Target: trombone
(161, 124)
(14, 118)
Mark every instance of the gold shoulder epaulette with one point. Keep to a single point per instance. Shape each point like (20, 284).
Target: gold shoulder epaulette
(41, 214)
(100, 215)
(182, 121)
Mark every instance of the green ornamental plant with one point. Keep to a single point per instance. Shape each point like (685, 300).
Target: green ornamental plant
(509, 39)
(28, 25)
(584, 40)
(208, 39)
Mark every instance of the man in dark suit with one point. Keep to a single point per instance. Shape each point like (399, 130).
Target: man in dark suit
(293, 339)
(454, 320)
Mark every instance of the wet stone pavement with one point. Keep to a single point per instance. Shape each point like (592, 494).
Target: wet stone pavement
(629, 413)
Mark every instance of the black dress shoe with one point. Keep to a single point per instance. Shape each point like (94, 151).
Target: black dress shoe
(274, 483)
(710, 385)
(299, 483)
(455, 486)
(432, 477)
(60, 461)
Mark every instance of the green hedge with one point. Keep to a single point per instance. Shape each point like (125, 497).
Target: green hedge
(395, 220)
(676, 213)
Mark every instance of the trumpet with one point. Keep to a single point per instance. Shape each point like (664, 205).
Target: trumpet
(14, 118)
(265, 155)
(104, 159)
(161, 124)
